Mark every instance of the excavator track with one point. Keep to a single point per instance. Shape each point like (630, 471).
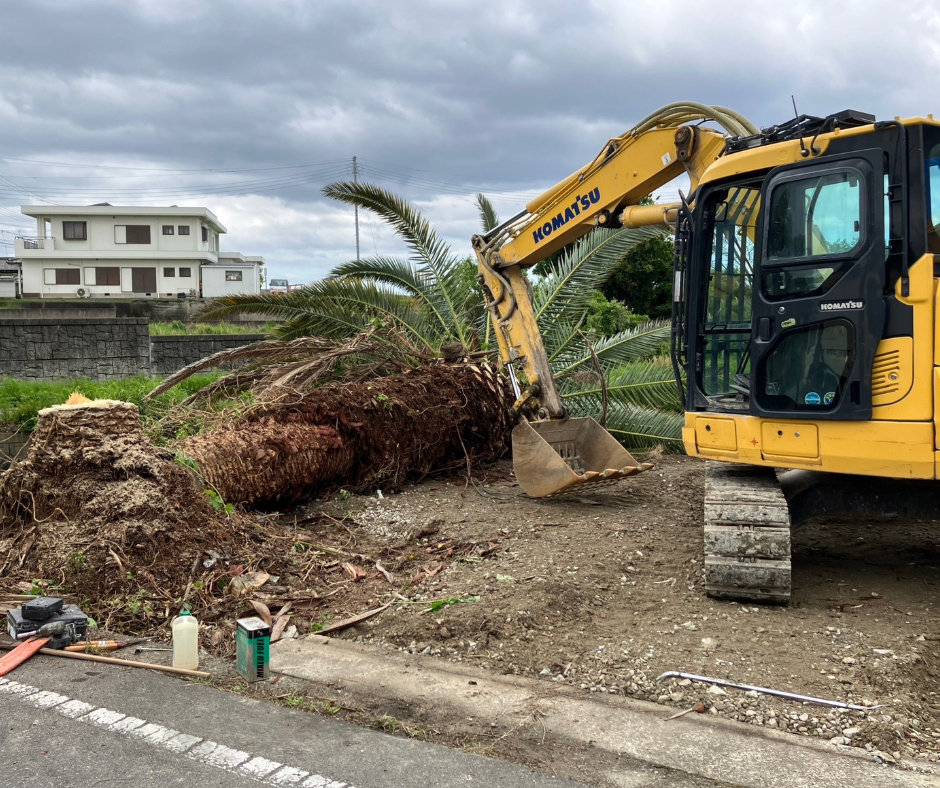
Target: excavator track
(747, 534)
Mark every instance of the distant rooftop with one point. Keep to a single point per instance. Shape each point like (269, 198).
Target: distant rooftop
(105, 209)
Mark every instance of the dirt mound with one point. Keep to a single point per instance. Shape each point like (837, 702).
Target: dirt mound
(96, 509)
(379, 433)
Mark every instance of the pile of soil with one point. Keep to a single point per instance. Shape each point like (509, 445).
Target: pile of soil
(377, 434)
(97, 510)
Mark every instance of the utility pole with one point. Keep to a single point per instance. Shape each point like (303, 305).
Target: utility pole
(356, 207)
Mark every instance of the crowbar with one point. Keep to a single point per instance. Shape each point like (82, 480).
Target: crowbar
(836, 704)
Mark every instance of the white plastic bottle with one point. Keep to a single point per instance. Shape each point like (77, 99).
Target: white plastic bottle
(186, 641)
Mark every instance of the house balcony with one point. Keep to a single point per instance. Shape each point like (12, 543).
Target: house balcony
(25, 244)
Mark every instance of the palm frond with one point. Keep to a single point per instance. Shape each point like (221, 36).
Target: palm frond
(488, 217)
(583, 269)
(429, 251)
(645, 428)
(649, 384)
(632, 344)
(307, 357)
(340, 308)
(280, 307)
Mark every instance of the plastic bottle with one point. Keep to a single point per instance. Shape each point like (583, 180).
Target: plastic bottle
(186, 641)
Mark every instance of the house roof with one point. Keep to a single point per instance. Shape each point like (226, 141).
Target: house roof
(237, 258)
(10, 265)
(103, 209)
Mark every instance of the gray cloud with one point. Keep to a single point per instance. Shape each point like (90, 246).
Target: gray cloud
(437, 98)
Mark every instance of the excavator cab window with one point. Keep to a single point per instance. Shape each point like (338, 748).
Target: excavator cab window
(932, 179)
(732, 224)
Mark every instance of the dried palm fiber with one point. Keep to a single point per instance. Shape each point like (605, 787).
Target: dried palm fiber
(357, 435)
(96, 507)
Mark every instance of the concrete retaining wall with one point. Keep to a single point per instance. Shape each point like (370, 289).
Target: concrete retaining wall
(55, 349)
(100, 348)
(171, 354)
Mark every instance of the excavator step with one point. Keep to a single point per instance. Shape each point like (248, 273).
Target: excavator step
(747, 535)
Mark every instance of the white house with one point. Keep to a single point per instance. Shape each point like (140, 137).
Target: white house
(113, 251)
(232, 274)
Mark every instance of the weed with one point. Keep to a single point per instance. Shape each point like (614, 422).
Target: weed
(390, 724)
(21, 400)
(321, 623)
(181, 458)
(345, 495)
(218, 504)
(440, 604)
(293, 700)
(179, 328)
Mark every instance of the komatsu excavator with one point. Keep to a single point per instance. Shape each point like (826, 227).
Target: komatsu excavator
(806, 314)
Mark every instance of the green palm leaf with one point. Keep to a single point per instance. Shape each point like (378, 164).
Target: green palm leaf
(488, 217)
(644, 341)
(430, 254)
(645, 428)
(648, 384)
(583, 269)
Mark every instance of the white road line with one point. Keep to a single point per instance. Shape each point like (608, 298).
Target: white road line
(208, 752)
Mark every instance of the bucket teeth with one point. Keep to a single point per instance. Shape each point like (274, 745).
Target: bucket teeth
(554, 456)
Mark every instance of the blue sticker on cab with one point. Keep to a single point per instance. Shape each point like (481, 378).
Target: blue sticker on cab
(829, 398)
(812, 398)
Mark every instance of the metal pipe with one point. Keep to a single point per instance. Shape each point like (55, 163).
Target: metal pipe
(837, 704)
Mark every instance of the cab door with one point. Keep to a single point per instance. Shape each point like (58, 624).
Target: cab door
(818, 306)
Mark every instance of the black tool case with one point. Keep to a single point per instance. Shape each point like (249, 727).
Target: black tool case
(69, 614)
(42, 608)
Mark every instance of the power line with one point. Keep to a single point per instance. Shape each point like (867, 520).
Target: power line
(171, 169)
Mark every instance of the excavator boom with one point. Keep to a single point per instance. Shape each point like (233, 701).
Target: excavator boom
(553, 452)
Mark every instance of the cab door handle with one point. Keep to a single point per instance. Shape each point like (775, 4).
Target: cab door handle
(763, 329)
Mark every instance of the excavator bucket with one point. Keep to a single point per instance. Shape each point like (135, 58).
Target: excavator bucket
(555, 455)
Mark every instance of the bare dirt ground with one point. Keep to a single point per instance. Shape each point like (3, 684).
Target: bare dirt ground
(603, 592)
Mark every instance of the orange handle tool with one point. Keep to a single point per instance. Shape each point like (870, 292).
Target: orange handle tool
(21, 653)
(100, 645)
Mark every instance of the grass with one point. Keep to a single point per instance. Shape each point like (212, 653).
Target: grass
(21, 401)
(179, 328)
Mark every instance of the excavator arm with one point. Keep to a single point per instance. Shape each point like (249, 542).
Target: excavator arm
(604, 193)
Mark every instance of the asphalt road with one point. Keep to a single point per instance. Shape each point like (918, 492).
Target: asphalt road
(65, 724)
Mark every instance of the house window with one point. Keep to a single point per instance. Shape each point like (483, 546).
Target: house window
(183, 229)
(205, 233)
(74, 231)
(107, 275)
(233, 276)
(169, 272)
(185, 273)
(132, 233)
(62, 276)
(168, 229)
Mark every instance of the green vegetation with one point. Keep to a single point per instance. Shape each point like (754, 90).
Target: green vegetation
(21, 400)
(179, 328)
(643, 279)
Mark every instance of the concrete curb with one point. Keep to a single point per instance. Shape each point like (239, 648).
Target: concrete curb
(612, 727)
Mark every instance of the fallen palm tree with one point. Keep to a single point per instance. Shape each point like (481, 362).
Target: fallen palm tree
(368, 434)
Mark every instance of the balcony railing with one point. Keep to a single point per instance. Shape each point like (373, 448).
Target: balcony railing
(27, 243)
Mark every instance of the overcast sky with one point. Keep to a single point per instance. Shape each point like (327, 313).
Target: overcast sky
(249, 107)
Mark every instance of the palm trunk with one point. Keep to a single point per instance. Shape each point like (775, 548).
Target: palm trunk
(357, 436)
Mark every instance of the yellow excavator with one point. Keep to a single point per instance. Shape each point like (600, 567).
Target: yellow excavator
(806, 319)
